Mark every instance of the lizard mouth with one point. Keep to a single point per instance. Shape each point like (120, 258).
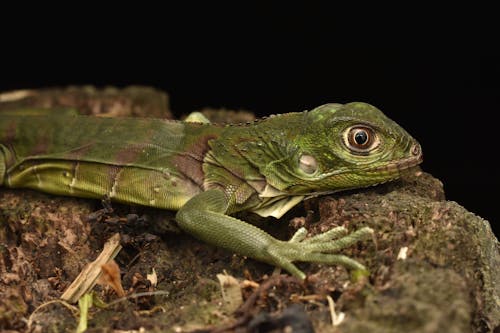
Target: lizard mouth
(405, 163)
(392, 168)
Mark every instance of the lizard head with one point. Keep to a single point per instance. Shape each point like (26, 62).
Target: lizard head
(336, 147)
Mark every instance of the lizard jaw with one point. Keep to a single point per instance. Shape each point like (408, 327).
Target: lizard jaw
(392, 167)
(402, 164)
(399, 165)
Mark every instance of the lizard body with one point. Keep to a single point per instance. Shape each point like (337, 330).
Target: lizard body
(207, 172)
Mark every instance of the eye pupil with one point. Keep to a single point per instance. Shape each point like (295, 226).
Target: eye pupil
(361, 137)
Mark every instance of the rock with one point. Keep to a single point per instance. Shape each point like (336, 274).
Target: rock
(434, 266)
(134, 101)
(449, 280)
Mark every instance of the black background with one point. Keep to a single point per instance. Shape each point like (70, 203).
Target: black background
(434, 72)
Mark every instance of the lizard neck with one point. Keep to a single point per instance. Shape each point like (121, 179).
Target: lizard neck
(238, 158)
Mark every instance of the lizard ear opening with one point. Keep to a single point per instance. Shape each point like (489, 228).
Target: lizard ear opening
(308, 164)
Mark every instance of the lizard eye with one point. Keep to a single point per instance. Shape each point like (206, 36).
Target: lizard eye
(361, 139)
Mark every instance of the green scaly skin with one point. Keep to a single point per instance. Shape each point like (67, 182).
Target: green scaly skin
(208, 172)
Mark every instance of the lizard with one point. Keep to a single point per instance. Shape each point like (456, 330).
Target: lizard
(207, 172)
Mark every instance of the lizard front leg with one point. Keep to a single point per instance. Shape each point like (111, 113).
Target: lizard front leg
(203, 216)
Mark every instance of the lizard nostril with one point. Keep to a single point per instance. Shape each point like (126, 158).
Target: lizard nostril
(416, 150)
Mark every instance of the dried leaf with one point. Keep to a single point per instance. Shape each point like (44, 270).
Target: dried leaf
(153, 278)
(231, 292)
(111, 277)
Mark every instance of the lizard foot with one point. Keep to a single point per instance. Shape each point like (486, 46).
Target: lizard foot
(318, 249)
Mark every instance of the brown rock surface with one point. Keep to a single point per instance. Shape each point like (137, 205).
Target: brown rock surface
(447, 277)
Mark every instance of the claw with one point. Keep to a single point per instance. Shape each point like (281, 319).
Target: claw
(299, 235)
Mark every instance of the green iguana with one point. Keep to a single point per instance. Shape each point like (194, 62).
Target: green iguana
(207, 172)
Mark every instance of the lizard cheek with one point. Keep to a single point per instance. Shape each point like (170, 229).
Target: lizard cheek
(308, 164)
